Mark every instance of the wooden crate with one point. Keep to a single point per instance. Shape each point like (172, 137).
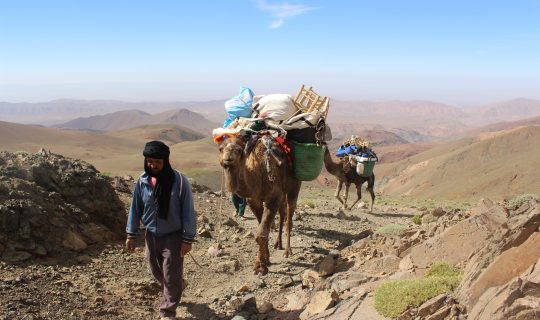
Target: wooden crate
(308, 100)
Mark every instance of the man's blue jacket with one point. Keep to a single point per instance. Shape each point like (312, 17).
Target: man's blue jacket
(144, 208)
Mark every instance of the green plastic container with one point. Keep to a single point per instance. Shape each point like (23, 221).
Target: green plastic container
(308, 159)
(367, 168)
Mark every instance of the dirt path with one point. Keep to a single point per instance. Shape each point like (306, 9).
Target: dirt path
(108, 283)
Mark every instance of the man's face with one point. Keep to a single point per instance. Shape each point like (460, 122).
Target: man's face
(155, 165)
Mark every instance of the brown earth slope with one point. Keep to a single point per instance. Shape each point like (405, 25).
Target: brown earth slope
(497, 165)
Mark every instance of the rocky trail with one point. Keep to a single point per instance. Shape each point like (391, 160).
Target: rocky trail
(339, 257)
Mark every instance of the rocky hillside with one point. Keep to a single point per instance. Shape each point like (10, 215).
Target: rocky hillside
(61, 257)
(51, 205)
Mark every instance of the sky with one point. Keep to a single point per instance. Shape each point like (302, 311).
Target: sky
(455, 52)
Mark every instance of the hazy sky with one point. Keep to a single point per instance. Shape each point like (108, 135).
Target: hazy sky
(460, 52)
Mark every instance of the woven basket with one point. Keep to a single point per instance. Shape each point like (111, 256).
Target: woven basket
(308, 159)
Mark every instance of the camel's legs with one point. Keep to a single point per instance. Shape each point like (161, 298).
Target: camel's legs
(371, 184)
(347, 186)
(292, 197)
(263, 258)
(282, 208)
(358, 192)
(338, 191)
(257, 209)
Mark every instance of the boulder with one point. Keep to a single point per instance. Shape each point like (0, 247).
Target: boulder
(320, 301)
(457, 243)
(517, 299)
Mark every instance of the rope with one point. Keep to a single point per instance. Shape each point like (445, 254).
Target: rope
(221, 193)
(192, 257)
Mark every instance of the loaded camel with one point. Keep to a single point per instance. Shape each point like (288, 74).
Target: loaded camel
(267, 182)
(346, 174)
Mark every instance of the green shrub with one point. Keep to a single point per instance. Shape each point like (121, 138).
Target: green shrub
(391, 229)
(105, 174)
(520, 200)
(442, 269)
(394, 297)
(417, 219)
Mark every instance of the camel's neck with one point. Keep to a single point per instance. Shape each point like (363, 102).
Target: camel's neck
(332, 167)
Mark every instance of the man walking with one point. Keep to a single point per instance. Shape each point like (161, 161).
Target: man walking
(163, 202)
(239, 205)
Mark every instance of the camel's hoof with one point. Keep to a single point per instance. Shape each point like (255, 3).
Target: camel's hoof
(262, 270)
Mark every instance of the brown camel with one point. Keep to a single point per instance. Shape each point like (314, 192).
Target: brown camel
(346, 174)
(267, 182)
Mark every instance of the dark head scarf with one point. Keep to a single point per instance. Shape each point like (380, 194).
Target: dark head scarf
(165, 179)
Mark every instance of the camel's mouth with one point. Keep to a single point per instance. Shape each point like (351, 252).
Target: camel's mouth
(226, 163)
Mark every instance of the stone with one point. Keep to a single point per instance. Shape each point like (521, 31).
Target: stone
(15, 256)
(320, 301)
(228, 266)
(249, 303)
(347, 281)
(74, 241)
(264, 307)
(387, 264)
(355, 308)
(285, 281)
(10, 221)
(84, 259)
(508, 265)
(296, 301)
(309, 278)
(440, 314)
(326, 266)
(212, 251)
(96, 233)
(432, 305)
(243, 288)
(406, 263)
(235, 303)
(202, 232)
(230, 222)
(438, 212)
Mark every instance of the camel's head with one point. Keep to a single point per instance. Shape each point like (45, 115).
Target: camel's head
(231, 152)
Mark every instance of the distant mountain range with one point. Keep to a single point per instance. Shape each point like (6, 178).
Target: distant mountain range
(63, 110)
(413, 121)
(135, 118)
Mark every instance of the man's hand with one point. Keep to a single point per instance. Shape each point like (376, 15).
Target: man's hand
(185, 248)
(130, 244)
